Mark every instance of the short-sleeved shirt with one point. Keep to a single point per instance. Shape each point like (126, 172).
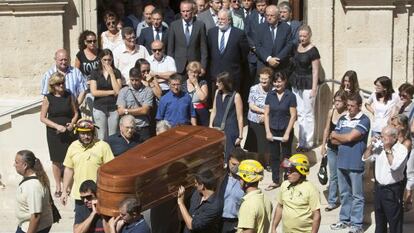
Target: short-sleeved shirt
(125, 60)
(257, 96)
(382, 111)
(104, 103)
(167, 64)
(350, 154)
(206, 214)
(232, 198)
(82, 213)
(86, 161)
(255, 212)
(194, 96)
(32, 198)
(75, 81)
(86, 65)
(298, 201)
(144, 95)
(139, 226)
(119, 145)
(279, 110)
(176, 109)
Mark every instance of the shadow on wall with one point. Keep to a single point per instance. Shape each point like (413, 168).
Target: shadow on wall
(69, 20)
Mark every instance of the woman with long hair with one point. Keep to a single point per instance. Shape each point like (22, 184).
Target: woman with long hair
(232, 122)
(279, 119)
(87, 58)
(381, 104)
(304, 81)
(328, 149)
(198, 90)
(33, 210)
(349, 83)
(105, 85)
(111, 38)
(59, 113)
(147, 79)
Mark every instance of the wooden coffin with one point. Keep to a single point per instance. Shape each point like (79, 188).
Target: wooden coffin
(155, 169)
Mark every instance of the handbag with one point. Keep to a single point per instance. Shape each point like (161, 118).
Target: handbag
(322, 174)
(55, 211)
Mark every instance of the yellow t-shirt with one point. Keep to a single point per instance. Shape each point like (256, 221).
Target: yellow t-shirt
(86, 161)
(255, 212)
(33, 198)
(298, 203)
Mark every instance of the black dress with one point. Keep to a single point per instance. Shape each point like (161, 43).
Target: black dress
(301, 78)
(60, 112)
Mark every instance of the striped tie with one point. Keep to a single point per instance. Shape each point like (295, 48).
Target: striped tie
(222, 42)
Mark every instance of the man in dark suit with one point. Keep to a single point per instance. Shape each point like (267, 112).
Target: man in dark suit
(285, 14)
(209, 17)
(187, 39)
(273, 41)
(228, 48)
(256, 18)
(247, 8)
(156, 32)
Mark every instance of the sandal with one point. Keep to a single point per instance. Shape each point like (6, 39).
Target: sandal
(58, 194)
(272, 186)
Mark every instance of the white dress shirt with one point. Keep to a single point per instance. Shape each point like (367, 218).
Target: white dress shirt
(124, 60)
(167, 64)
(159, 32)
(226, 36)
(190, 26)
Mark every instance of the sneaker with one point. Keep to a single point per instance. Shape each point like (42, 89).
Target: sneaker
(339, 225)
(355, 229)
(331, 207)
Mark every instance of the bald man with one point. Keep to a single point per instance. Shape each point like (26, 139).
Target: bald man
(162, 66)
(75, 81)
(273, 41)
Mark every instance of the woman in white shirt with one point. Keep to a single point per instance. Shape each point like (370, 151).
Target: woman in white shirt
(111, 38)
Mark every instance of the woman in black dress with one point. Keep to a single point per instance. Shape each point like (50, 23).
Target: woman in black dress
(59, 113)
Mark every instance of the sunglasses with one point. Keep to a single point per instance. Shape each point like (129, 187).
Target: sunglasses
(88, 197)
(110, 23)
(404, 96)
(156, 50)
(91, 41)
(290, 170)
(58, 84)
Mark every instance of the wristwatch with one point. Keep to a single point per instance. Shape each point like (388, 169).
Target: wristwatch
(126, 112)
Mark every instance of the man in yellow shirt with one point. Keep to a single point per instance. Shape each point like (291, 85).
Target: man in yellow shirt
(83, 158)
(298, 199)
(256, 210)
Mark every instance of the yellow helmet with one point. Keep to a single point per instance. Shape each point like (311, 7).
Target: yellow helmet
(250, 171)
(299, 161)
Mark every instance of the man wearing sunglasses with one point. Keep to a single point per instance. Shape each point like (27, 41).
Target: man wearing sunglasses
(86, 217)
(298, 199)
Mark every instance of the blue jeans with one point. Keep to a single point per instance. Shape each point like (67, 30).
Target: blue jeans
(333, 177)
(107, 123)
(351, 189)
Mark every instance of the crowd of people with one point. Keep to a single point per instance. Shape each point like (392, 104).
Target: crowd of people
(213, 64)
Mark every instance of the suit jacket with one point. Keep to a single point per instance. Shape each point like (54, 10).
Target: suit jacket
(234, 57)
(240, 12)
(251, 32)
(295, 25)
(147, 37)
(177, 45)
(280, 48)
(207, 19)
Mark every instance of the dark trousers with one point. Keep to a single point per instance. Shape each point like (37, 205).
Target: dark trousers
(278, 149)
(228, 225)
(389, 208)
(46, 230)
(203, 116)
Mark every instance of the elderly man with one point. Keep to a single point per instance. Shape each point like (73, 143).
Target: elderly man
(127, 137)
(237, 20)
(201, 6)
(351, 135)
(176, 106)
(228, 49)
(157, 31)
(83, 158)
(162, 66)
(130, 219)
(285, 10)
(209, 17)
(146, 22)
(127, 54)
(136, 100)
(390, 158)
(75, 81)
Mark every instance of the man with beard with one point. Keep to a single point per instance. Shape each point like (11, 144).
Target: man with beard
(298, 199)
(83, 158)
(86, 217)
(255, 210)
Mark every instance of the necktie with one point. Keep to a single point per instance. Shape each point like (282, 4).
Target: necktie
(261, 19)
(221, 48)
(157, 36)
(273, 33)
(187, 33)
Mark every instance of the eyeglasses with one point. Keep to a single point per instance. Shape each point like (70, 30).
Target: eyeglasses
(87, 197)
(59, 83)
(290, 170)
(156, 50)
(404, 95)
(91, 41)
(110, 23)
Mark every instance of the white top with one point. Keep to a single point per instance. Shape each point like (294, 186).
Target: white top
(386, 173)
(108, 44)
(125, 60)
(167, 64)
(382, 112)
(410, 172)
(190, 27)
